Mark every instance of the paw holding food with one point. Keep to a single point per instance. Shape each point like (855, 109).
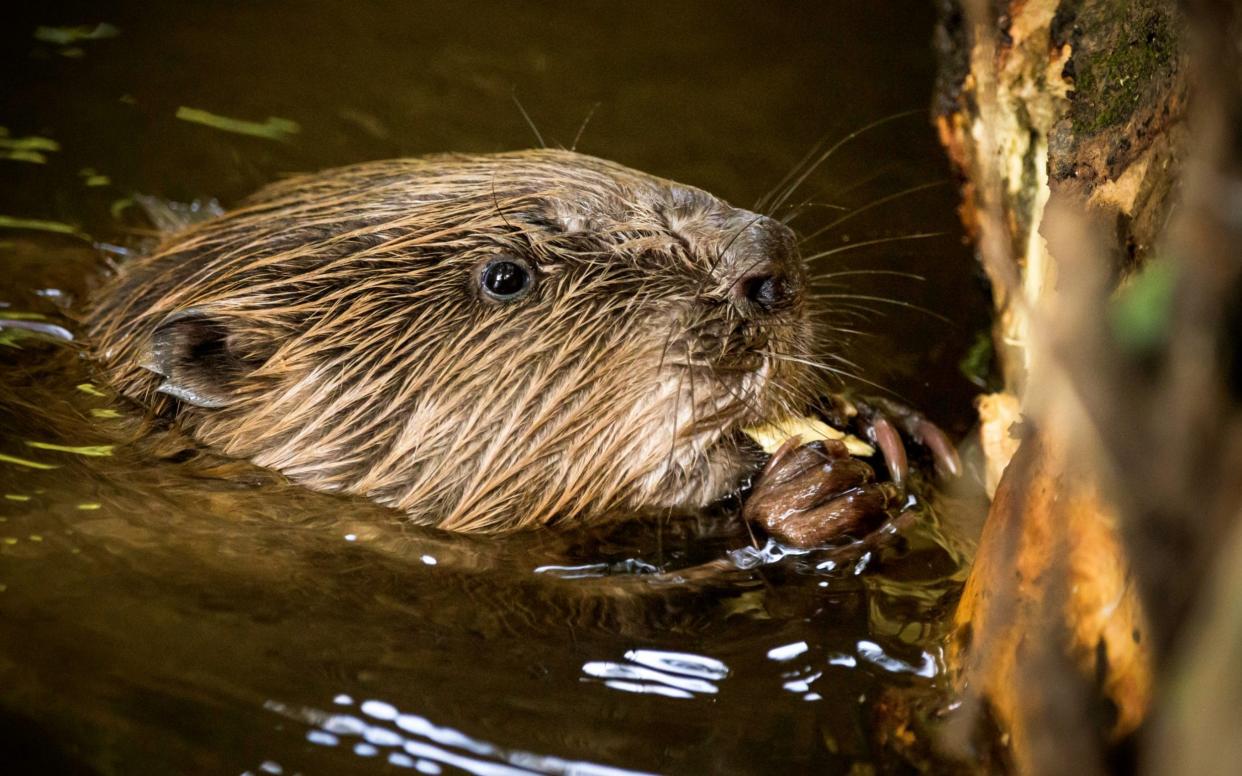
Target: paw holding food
(814, 491)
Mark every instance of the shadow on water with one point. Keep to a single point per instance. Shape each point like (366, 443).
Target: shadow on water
(166, 610)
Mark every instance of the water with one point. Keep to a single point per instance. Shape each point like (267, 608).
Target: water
(170, 612)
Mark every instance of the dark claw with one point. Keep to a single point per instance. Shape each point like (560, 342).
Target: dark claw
(947, 460)
(879, 412)
(889, 441)
(777, 461)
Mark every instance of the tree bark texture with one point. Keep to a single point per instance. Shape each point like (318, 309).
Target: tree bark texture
(1094, 195)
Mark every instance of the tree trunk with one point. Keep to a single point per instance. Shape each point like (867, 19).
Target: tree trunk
(1068, 123)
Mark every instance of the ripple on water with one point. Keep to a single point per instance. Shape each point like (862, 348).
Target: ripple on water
(656, 672)
(408, 740)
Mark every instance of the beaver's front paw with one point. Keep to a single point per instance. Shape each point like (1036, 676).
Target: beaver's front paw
(883, 423)
(815, 494)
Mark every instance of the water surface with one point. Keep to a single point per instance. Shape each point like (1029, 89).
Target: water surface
(165, 611)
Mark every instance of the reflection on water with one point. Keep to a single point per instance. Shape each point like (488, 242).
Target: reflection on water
(407, 740)
(670, 674)
(165, 610)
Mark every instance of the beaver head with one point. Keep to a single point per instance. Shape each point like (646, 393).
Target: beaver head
(485, 342)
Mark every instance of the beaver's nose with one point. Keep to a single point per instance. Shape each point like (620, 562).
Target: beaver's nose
(766, 288)
(768, 276)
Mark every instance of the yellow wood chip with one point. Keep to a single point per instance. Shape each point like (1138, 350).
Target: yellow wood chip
(771, 436)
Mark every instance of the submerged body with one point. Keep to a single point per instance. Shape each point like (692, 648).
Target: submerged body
(484, 342)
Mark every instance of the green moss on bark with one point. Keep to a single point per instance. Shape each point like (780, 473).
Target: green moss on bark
(1116, 66)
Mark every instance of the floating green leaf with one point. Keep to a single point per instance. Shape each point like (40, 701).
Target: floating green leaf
(119, 206)
(10, 338)
(90, 450)
(92, 177)
(32, 143)
(91, 390)
(63, 36)
(105, 413)
(40, 225)
(33, 157)
(274, 128)
(24, 462)
(26, 149)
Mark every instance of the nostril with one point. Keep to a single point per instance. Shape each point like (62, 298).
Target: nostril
(767, 292)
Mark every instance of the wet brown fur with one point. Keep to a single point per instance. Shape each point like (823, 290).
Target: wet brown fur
(344, 334)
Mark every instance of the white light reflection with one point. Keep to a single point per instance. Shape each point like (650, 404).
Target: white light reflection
(746, 558)
(402, 760)
(802, 685)
(640, 688)
(587, 571)
(379, 709)
(680, 662)
(322, 738)
(788, 651)
(861, 565)
(603, 669)
(427, 747)
(846, 661)
(629, 566)
(657, 672)
(873, 653)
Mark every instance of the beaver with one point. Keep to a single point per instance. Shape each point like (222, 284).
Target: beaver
(484, 342)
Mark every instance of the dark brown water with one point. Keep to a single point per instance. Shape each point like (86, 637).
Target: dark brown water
(163, 614)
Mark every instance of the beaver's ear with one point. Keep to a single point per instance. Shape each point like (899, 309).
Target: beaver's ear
(190, 350)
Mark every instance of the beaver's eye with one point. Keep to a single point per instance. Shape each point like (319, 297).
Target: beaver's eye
(505, 279)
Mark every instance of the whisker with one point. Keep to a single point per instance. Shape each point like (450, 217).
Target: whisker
(885, 300)
(836, 357)
(841, 373)
(855, 332)
(873, 204)
(847, 272)
(582, 127)
(878, 241)
(529, 122)
(800, 179)
(806, 159)
(729, 244)
(872, 176)
(859, 311)
(806, 206)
